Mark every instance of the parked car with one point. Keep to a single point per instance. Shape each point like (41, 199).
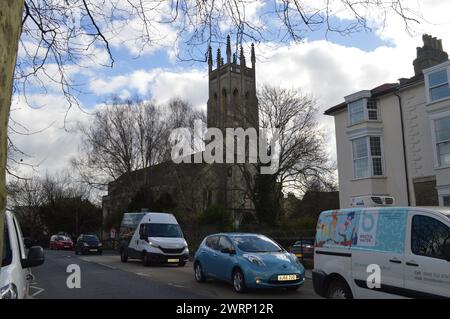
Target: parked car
(303, 248)
(60, 242)
(88, 244)
(17, 259)
(153, 238)
(247, 261)
(383, 252)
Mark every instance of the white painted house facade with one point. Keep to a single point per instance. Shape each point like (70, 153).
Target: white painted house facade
(394, 140)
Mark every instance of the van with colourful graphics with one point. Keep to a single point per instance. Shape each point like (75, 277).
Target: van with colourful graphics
(383, 252)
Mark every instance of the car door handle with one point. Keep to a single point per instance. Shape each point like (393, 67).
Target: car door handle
(395, 261)
(412, 264)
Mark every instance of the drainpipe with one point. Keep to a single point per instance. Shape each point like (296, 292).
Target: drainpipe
(404, 147)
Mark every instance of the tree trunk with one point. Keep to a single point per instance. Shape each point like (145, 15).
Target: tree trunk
(10, 28)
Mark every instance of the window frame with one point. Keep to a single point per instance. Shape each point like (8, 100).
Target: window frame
(369, 157)
(427, 73)
(432, 121)
(430, 87)
(365, 106)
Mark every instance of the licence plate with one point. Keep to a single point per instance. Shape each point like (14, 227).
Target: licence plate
(92, 249)
(286, 277)
(174, 260)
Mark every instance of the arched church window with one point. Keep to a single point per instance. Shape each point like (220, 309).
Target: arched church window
(224, 102)
(236, 104)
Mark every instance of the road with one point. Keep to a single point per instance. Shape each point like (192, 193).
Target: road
(106, 277)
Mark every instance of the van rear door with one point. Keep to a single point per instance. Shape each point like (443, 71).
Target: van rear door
(378, 255)
(427, 273)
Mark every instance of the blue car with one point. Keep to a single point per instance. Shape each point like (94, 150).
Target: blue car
(247, 261)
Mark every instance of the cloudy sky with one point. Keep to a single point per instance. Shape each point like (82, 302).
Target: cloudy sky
(328, 67)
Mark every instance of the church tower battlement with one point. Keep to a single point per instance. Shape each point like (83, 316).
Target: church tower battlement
(232, 98)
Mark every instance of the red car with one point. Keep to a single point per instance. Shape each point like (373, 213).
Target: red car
(61, 242)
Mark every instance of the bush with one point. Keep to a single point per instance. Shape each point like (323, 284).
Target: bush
(216, 215)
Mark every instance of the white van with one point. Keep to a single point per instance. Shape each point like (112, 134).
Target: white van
(153, 238)
(15, 275)
(383, 252)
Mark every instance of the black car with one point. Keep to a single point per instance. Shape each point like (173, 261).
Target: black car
(88, 244)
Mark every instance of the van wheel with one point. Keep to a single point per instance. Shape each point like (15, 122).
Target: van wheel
(238, 281)
(198, 272)
(338, 289)
(123, 255)
(145, 259)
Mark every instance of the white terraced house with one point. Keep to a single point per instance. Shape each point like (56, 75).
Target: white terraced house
(394, 140)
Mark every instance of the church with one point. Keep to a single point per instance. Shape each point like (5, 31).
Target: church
(193, 187)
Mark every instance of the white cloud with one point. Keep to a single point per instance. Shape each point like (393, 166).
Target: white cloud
(55, 140)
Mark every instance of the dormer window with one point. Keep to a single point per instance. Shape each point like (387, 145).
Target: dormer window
(438, 85)
(363, 110)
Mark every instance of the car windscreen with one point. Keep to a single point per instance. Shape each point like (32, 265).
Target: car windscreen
(62, 238)
(90, 238)
(256, 244)
(163, 230)
(7, 253)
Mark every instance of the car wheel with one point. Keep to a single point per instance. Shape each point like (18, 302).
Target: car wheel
(198, 273)
(238, 281)
(123, 256)
(338, 289)
(181, 263)
(145, 259)
(76, 252)
(100, 252)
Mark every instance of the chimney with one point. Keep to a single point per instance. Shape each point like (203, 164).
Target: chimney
(430, 54)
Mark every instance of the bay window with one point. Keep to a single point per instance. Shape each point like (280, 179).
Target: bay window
(442, 133)
(363, 110)
(367, 157)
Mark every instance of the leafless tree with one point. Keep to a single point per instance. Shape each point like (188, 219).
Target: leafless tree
(302, 157)
(127, 136)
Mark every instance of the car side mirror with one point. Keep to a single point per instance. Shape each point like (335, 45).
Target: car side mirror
(28, 242)
(35, 257)
(228, 251)
(447, 249)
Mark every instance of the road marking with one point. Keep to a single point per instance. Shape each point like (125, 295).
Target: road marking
(142, 274)
(175, 285)
(105, 265)
(39, 290)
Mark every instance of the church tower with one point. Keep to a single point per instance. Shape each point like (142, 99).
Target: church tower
(232, 103)
(232, 98)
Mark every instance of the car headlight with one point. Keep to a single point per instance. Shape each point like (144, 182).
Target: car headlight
(100, 244)
(254, 259)
(153, 244)
(9, 292)
(85, 244)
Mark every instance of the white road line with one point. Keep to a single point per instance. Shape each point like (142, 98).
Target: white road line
(39, 290)
(142, 274)
(105, 265)
(175, 285)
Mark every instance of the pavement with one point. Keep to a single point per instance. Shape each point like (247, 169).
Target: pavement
(106, 277)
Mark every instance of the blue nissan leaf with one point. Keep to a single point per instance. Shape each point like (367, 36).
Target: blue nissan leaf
(247, 261)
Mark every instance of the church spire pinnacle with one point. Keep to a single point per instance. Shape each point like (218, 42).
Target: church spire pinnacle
(210, 59)
(253, 58)
(242, 57)
(219, 58)
(228, 49)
